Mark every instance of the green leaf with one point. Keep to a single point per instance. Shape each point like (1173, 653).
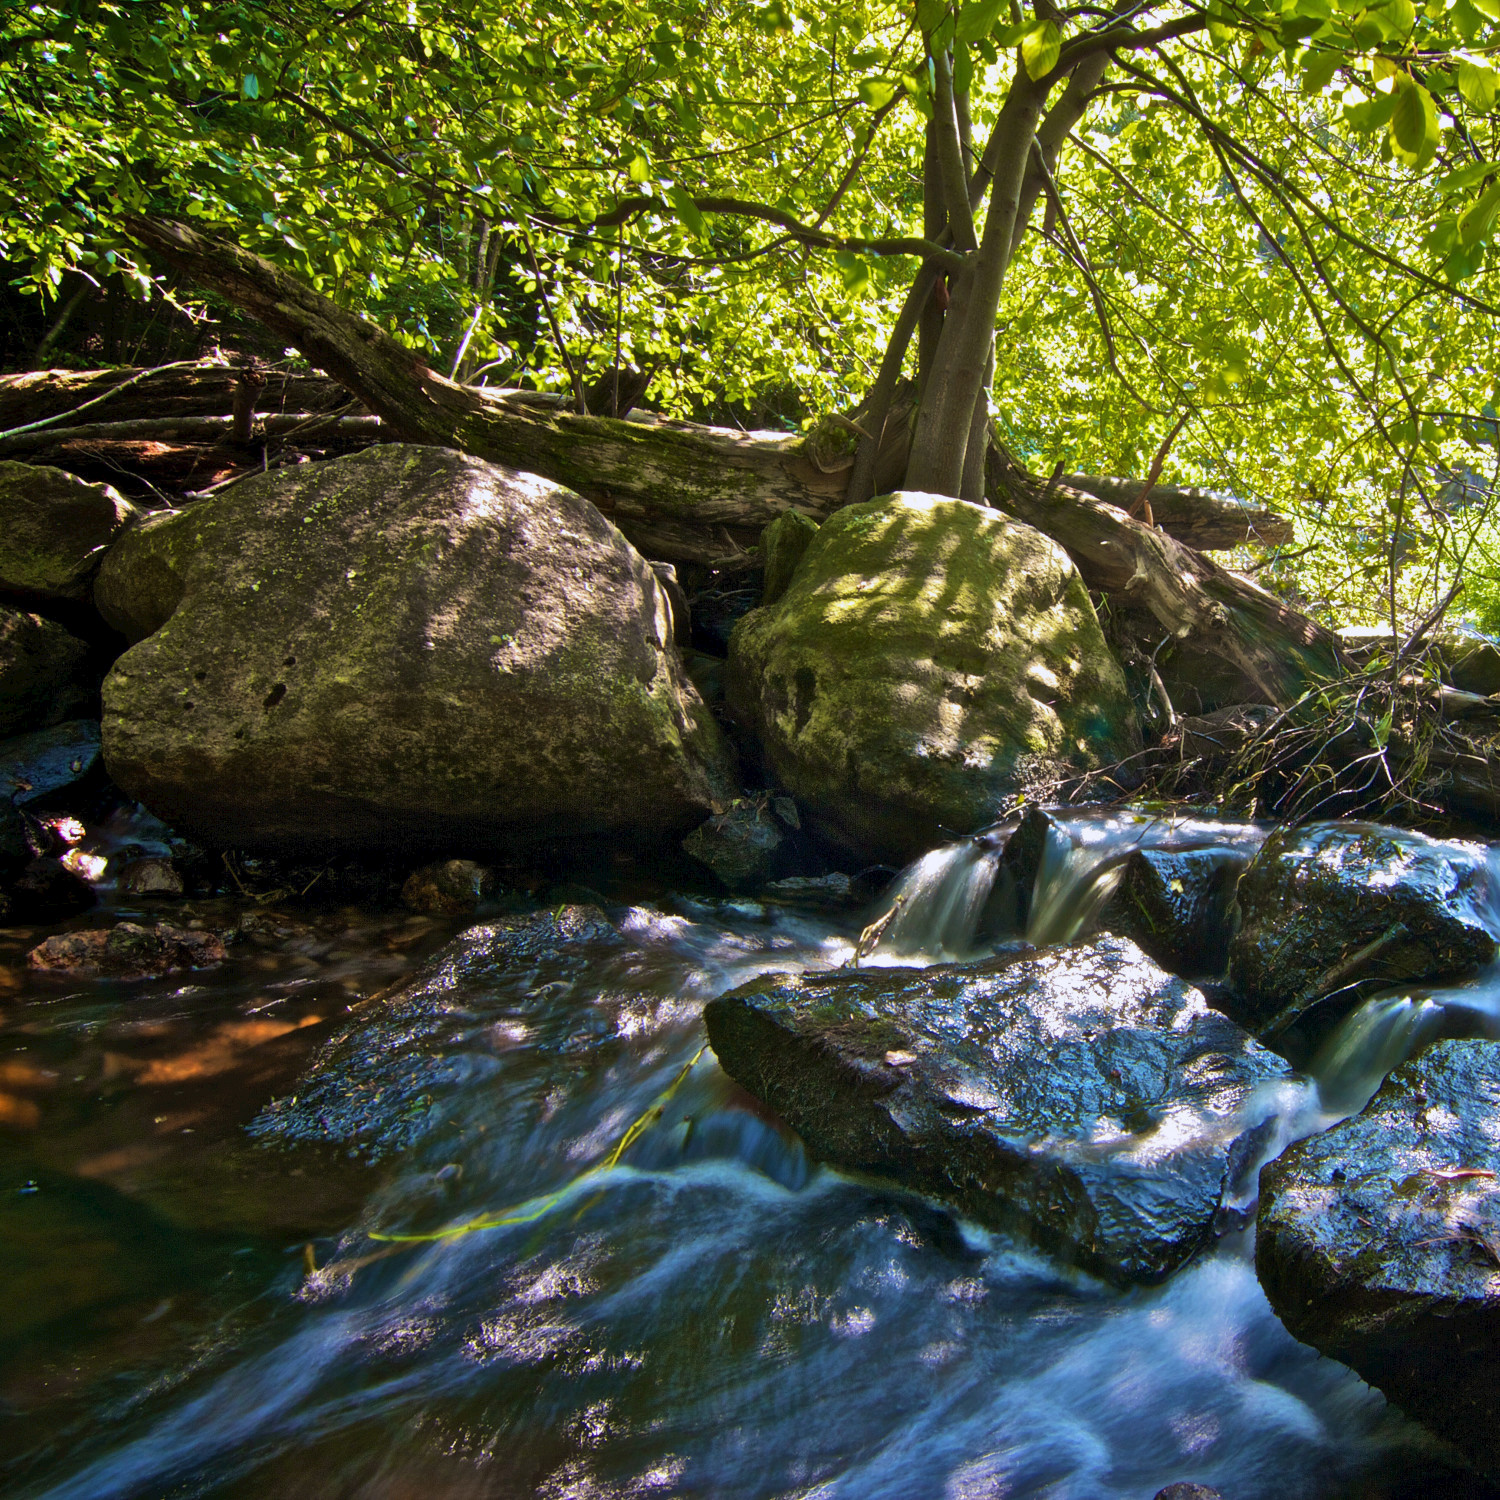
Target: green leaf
(1490, 8)
(855, 271)
(1466, 177)
(1414, 124)
(1040, 47)
(250, 86)
(1318, 71)
(876, 92)
(1478, 219)
(930, 14)
(1476, 83)
(687, 211)
(978, 19)
(640, 169)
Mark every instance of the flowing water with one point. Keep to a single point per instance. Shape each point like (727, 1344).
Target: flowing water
(195, 1300)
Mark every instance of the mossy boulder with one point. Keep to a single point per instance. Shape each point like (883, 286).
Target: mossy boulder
(54, 529)
(405, 648)
(929, 660)
(1378, 1243)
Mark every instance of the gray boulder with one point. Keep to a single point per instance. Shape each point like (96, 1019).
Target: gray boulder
(1379, 1244)
(54, 529)
(45, 675)
(408, 647)
(928, 660)
(1077, 1094)
(1330, 906)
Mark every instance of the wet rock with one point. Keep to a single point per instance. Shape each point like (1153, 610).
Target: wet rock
(835, 892)
(783, 544)
(742, 846)
(128, 951)
(1007, 910)
(404, 649)
(44, 673)
(1379, 1244)
(1332, 905)
(36, 766)
(451, 887)
(54, 529)
(1185, 1490)
(1079, 1094)
(1177, 906)
(46, 891)
(931, 660)
(399, 1070)
(151, 877)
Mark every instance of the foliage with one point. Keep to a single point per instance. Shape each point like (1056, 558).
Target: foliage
(1275, 215)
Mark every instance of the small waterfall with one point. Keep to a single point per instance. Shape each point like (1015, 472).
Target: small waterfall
(959, 901)
(937, 903)
(1353, 1061)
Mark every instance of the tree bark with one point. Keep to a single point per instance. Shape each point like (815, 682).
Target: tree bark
(1205, 519)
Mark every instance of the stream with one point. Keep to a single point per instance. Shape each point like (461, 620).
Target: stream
(196, 1174)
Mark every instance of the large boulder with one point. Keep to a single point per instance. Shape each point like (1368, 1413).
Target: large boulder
(1379, 1243)
(54, 529)
(1330, 906)
(1080, 1095)
(928, 660)
(408, 647)
(45, 673)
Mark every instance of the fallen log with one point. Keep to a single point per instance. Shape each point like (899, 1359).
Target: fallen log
(1266, 651)
(195, 430)
(1202, 518)
(203, 388)
(686, 493)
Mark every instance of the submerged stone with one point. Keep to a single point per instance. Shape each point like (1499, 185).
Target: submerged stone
(407, 648)
(1379, 1243)
(1080, 1095)
(930, 660)
(128, 951)
(1329, 906)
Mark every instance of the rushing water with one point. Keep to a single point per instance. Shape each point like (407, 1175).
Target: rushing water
(193, 1300)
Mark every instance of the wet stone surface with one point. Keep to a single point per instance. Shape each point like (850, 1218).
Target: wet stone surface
(1080, 1094)
(1379, 1243)
(1176, 906)
(1331, 906)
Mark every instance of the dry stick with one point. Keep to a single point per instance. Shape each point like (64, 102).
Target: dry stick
(562, 348)
(1143, 500)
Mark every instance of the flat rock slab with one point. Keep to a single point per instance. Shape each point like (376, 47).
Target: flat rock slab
(1080, 1095)
(1332, 904)
(1379, 1243)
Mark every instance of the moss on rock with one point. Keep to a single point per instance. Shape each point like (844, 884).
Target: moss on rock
(929, 659)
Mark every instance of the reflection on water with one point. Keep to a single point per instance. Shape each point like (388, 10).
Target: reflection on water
(198, 1307)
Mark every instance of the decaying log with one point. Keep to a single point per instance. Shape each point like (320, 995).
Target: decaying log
(679, 491)
(1205, 519)
(205, 388)
(194, 430)
(1271, 652)
(687, 493)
